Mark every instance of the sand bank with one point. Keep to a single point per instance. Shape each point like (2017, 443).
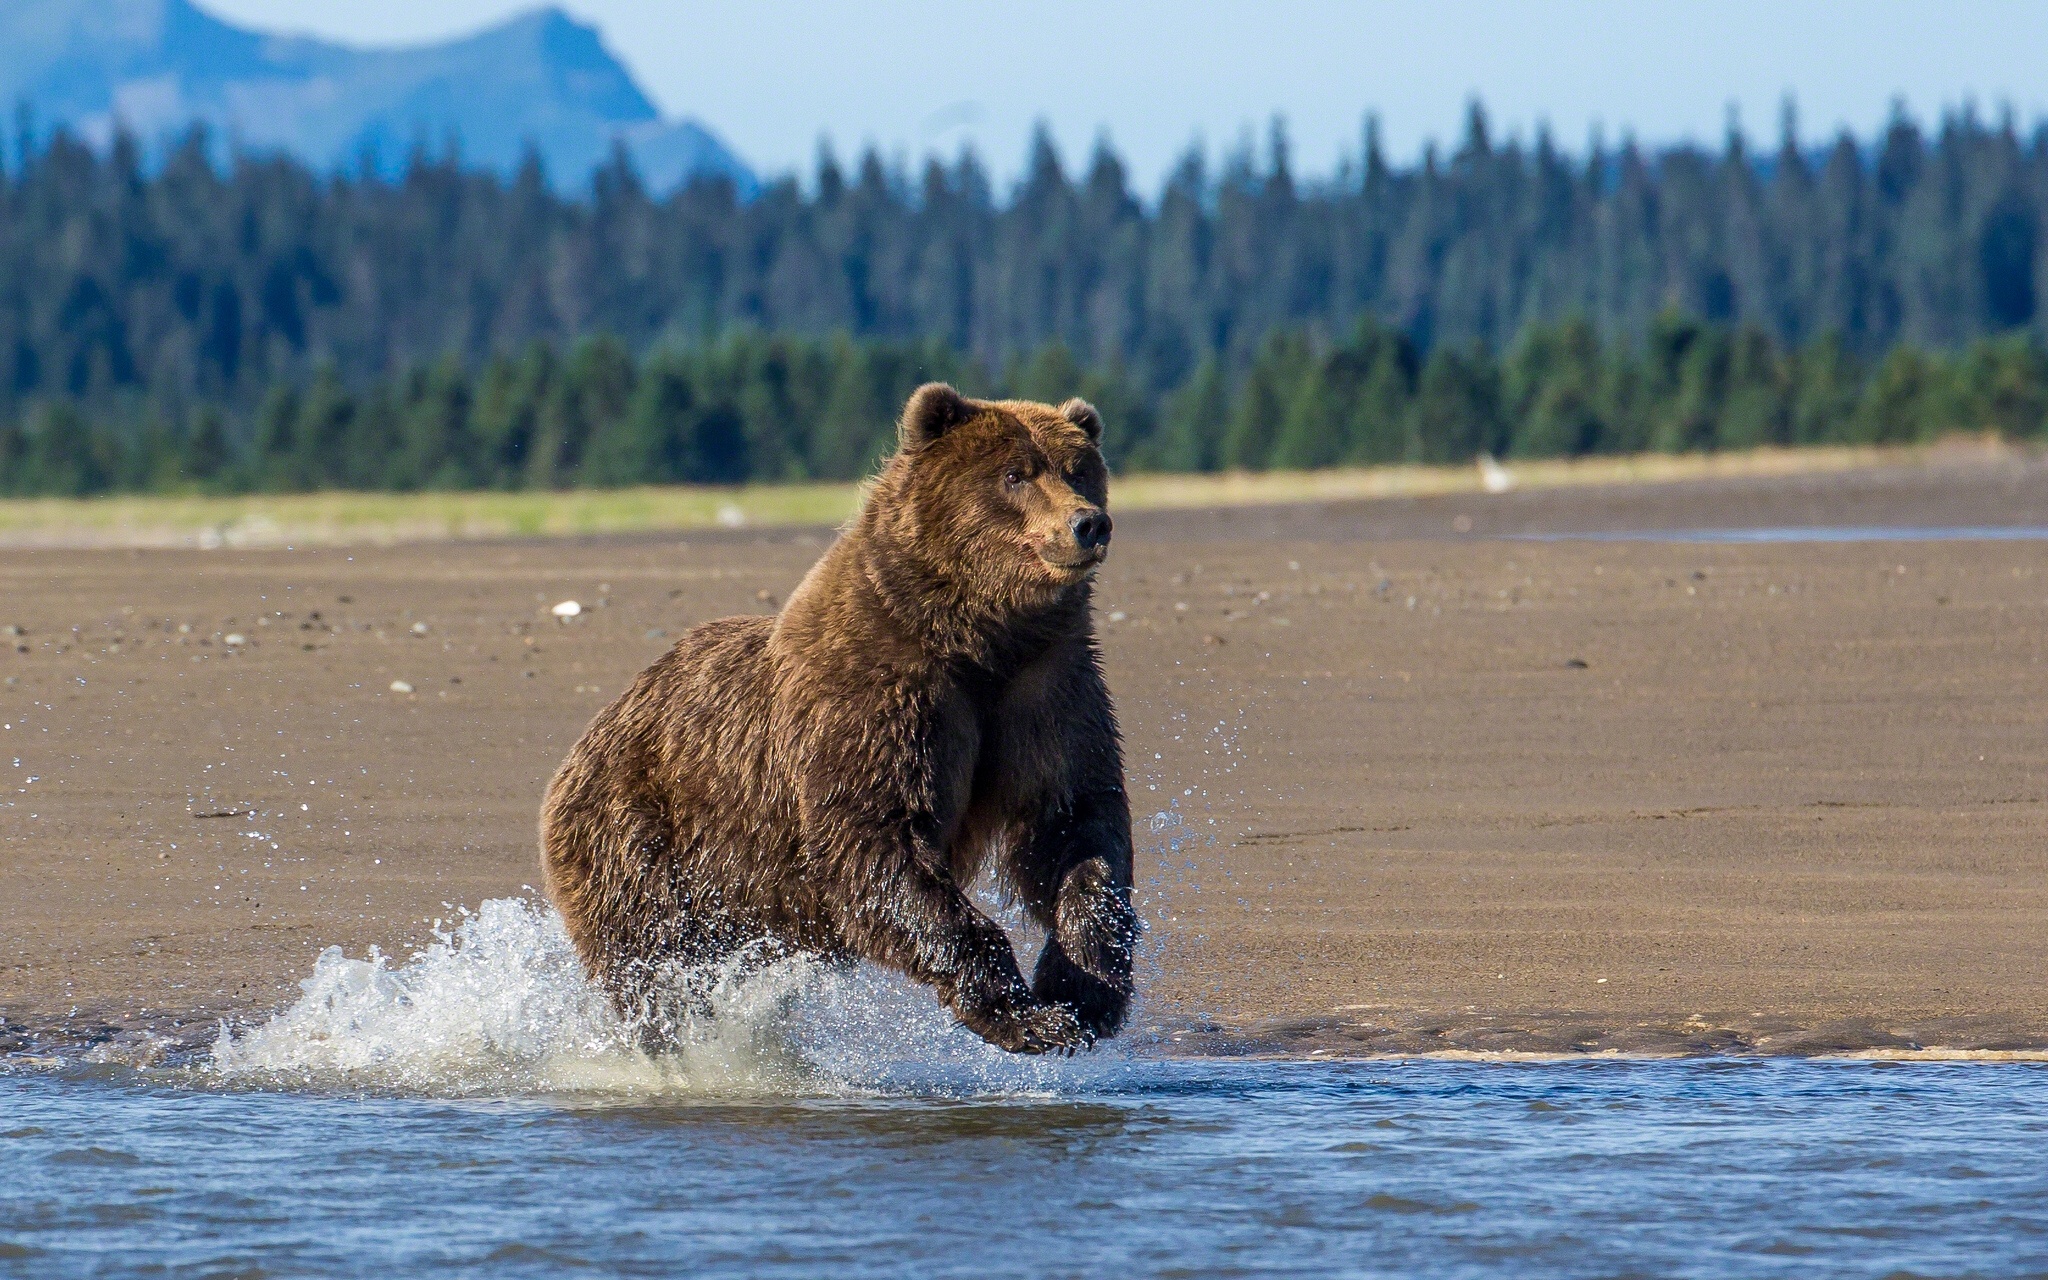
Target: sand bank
(1404, 783)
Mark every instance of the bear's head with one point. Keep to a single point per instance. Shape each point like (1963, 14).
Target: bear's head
(1004, 499)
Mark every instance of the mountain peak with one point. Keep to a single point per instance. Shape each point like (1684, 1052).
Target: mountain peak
(550, 31)
(569, 55)
(541, 79)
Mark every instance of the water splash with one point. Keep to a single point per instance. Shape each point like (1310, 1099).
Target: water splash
(1180, 876)
(499, 1004)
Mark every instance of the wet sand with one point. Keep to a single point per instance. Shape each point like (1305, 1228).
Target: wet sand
(1428, 788)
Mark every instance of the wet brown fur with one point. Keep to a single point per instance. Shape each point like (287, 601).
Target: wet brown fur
(928, 704)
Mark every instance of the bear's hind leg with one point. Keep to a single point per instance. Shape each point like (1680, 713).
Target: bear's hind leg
(612, 879)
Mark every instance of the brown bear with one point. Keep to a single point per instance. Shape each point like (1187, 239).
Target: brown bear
(927, 705)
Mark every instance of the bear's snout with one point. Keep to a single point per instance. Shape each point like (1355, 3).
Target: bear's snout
(1091, 529)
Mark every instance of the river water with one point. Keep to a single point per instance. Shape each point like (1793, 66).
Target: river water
(474, 1111)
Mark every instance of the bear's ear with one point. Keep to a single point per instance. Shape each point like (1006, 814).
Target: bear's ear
(934, 409)
(1083, 415)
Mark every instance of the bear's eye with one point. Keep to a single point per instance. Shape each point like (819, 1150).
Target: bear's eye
(1013, 477)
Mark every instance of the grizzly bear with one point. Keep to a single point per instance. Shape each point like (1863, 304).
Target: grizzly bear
(927, 705)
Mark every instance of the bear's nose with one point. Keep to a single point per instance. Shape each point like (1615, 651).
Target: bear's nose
(1091, 529)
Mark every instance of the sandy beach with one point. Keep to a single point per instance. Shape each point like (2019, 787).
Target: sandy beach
(1411, 775)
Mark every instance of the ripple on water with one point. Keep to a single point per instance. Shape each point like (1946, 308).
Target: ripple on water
(1182, 1167)
(478, 1110)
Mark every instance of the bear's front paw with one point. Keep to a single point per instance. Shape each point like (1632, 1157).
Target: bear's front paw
(1030, 1028)
(1098, 1006)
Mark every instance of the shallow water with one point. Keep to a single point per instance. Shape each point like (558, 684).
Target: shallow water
(476, 1110)
(1807, 533)
(1135, 1168)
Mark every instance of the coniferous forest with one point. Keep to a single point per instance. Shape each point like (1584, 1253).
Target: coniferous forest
(179, 325)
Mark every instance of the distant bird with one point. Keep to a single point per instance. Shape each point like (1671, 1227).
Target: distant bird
(1493, 477)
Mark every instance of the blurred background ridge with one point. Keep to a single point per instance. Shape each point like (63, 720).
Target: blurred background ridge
(540, 80)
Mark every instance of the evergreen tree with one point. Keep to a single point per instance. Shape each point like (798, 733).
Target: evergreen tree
(593, 389)
(1898, 405)
(436, 448)
(509, 399)
(1315, 428)
(326, 416)
(14, 476)
(2001, 386)
(1457, 410)
(1552, 391)
(1381, 415)
(1263, 404)
(205, 459)
(1194, 422)
(64, 455)
(651, 442)
(1827, 383)
(276, 460)
(1757, 409)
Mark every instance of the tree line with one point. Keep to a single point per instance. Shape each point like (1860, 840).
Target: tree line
(255, 324)
(752, 407)
(183, 281)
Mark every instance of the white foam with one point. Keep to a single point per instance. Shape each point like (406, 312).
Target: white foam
(500, 1005)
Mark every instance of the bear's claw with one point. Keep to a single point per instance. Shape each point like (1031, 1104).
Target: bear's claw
(1040, 1028)
(1099, 1006)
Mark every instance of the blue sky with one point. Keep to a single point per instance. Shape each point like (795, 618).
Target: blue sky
(772, 76)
